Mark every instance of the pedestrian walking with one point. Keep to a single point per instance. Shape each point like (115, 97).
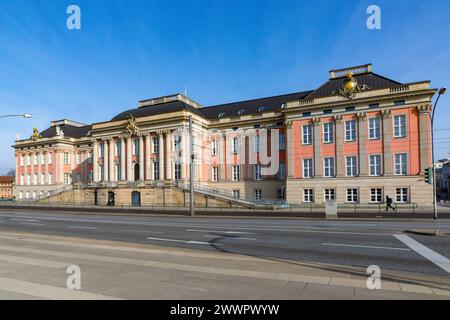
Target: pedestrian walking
(389, 204)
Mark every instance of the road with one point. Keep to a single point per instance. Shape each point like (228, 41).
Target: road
(347, 243)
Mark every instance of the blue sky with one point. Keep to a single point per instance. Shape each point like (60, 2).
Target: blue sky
(222, 50)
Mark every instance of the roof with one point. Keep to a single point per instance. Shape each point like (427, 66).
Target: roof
(372, 80)
(252, 106)
(6, 179)
(68, 130)
(156, 109)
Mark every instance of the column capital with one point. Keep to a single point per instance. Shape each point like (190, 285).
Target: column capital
(317, 121)
(386, 114)
(361, 116)
(289, 124)
(424, 108)
(338, 118)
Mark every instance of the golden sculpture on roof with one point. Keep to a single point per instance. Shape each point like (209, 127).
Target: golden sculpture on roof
(36, 135)
(350, 87)
(131, 127)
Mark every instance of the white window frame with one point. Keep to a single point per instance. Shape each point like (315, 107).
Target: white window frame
(329, 167)
(307, 134)
(258, 194)
(350, 131)
(308, 195)
(352, 197)
(401, 164)
(328, 132)
(214, 147)
(50, 178)
(257, 172)
(399, 127)
(118, 148)
(156, 171)
(235, 145)
(136, 146)
(177, 171)
(215, 174)
(155, 145)
(330, 194)
(351, 169)
(376, 193)
(401, 195)
(374, 128)
(66, 158)
(236, 174)
(376, 165)
(236, 193)
(308, 169)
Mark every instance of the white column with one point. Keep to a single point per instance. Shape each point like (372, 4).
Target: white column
(112, 166)
(141, 158)
(130, 176)
(167, 154)
(122, 158)
(148, 152)
(61, 165)
(95, 160)
(161, 156)
(106, 160)
(32, 168)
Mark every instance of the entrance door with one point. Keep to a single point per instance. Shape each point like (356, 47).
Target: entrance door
(136, 199)
(111, 199)
(136, 172)
(95, 198)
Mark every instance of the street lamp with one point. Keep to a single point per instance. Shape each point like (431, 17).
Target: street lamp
(442, 91)
(25, 115)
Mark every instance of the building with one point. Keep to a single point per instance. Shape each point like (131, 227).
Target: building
(6, 187)
(355, 139)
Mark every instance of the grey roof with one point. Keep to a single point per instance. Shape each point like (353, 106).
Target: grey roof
(373, 80)
(68, 130)
(156, 109)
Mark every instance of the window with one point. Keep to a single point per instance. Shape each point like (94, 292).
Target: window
(177, 170)
(136, 146)
(399, 102)
(66, 158)
(282, 140)
(400, 162)
(282, 171)
(89, 160)
(155, 143)
(156, 170)
(28, 179)
(351, 166)
(307, 134)
(308, 195)
(101, 172)
(90, 176)
(307, 168)
(101, 150)
(215, 174)
(330, 194)
(50, 178)
(374, 128)
(329, 167)
(374, 106)
(220, 115)
(376, 195)
(236, 194)
(258, 194)
(306, 114)
(214, 147)
(400, 126)
(328, 111)
(236, 173)
(241, 112)
(118, 172)
(78, 177)
(350, 109)
(257, 144)
(257, 172)
(282, 193)
(66, 178)
(78, 158)
(235, 145)
(350, 130)
(375, 165)
(402, 195)
(118, 147)
(352, 195)
(328, 132)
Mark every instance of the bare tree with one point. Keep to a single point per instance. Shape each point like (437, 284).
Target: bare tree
(11, 173)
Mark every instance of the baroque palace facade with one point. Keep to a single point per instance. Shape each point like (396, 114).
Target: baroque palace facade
(356, 139)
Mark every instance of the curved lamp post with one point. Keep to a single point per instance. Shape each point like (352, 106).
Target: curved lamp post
(440, 93)
(25, 115)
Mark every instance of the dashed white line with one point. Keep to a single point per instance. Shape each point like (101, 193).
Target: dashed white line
(217, 231)
(365, 247)
(233, 238)
(79, 227)
(33, 224)
(181, 241)
(425, 252)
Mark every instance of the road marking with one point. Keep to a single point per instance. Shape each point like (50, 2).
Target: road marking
(425, 252)
(366, 247)
(79, 227)
(234, 238)
(142, 231)
(227, 232)
(28, 220)
(33, 224)
(182, 241)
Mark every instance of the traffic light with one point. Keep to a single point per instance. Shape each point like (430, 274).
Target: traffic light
(429, 175)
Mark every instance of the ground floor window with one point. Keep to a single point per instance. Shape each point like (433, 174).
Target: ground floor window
(352, 195)
(236, 194)
(258, 194)
(177, 170)
(330, 194)
(308, 195)
(402, 195)
(156, 170)
(282, 193)
(376, 195)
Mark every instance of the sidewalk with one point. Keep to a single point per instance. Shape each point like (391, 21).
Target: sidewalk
(34, 267)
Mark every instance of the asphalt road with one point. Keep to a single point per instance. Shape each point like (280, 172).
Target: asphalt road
(350, 243)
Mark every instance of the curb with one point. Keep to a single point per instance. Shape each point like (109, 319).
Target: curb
(430, 232)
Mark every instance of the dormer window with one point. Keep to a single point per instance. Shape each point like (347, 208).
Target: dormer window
(241, 112)
(221, 115)
(261, 109)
